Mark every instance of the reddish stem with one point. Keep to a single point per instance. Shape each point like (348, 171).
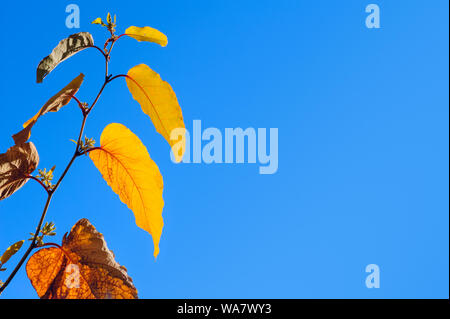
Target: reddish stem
(90, 150)
(60, 247)
(39, 181)
(101, 51)
(120, 36)
(80, 104)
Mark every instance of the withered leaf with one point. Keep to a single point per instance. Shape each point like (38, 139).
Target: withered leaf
(15, 165)
(55, 103)
(64, 50)
(82, 268)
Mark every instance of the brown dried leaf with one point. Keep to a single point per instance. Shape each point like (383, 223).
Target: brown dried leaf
(17, 163)
(83, 268)
(55, 103)
(64, 50)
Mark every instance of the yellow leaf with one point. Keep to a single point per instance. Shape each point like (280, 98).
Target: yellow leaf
(98, 21)
(81, 268)
(11, 251)
(147, 34)
(157, 100)
(55, 103)
(126, 166)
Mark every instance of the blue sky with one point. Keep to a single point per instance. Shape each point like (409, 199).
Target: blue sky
(363, 145)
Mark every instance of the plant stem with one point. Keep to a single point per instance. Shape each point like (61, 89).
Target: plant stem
(53, 190)
(62, 249)
(30, 248)
(39, 181)
(101, 51)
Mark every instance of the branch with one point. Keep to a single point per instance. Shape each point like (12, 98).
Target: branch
(30, 248)
(118, 76)
(39, 181)
(101, 51)
(62, 249)
(90, 150)
(52, 191)
(80, 104)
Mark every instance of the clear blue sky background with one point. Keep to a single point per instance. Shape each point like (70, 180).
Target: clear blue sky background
(363, 144)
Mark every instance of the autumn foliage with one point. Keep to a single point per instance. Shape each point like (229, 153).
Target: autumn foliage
(82, 266)
(97, 275)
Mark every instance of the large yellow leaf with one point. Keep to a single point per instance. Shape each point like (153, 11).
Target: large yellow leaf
(147, 34)
(157, 100)
(81, 268)
(55, 103)
(126, 166)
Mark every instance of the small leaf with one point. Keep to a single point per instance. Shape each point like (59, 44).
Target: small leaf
(15, 165)
(64, 50)
(157, 100)
(13, 249)
(147, 34)
(83, 268)
(59, 100)
(98, 21)
(128, 169)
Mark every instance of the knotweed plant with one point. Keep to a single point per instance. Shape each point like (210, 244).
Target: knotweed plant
(82, 266)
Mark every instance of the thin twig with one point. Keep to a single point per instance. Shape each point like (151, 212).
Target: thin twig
(39, 181)
(101, 51)
(30, 248)
(117, 76)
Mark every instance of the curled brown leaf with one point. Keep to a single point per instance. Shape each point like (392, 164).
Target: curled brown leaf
(15, 165)
(55, 103)
(64, 50)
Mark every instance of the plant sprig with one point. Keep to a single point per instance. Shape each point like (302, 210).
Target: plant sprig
(47, 178)
(135, 157)
(49, 229)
